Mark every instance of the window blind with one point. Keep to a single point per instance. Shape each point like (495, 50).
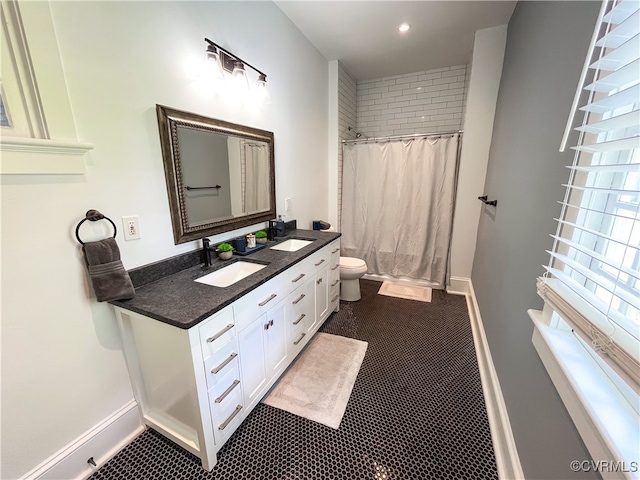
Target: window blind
(593, 277)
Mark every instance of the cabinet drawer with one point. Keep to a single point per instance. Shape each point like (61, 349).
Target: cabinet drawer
(299, 309)
(255, 303)
(225, 423)
(225, 389)
(223, 414)
(222, 362)
(334, 277)
(319, 260)
(298, 341)
(334, 251)
(300, 273)
(334, 298)
(216, 331)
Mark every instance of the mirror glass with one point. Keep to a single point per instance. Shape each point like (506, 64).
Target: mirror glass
(220, 175)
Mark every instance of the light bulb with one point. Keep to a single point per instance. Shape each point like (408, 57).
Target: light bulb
(241, 84)
(261, 92)
(212, 70)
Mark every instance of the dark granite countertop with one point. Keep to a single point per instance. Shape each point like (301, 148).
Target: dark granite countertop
(178, 300)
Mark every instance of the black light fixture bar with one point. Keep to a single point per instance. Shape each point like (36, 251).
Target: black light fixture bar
(229, 63)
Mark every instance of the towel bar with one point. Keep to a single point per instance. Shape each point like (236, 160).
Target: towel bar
(93, 216)
(484, 200)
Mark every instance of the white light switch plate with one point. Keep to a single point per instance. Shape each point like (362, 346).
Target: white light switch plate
(131, 226)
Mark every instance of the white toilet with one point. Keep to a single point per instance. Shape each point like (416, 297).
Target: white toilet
(351, 269)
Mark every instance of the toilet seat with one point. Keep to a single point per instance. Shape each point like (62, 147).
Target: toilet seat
(351, 263)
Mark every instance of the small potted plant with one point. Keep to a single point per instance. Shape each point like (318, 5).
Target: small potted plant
(225, 251)
(261, 237)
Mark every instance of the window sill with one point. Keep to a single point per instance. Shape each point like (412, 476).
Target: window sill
(31, 156)
(606, 421)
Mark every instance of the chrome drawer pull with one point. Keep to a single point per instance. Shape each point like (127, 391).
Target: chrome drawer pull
(231, 417)
(319, 281)
(320, 262)
(295, 302)
(300, 339)
(336, 250)
(225, 363)
(262, 304)
(220, 333)
(335, 283)
(299, 319)
(228, 391)
(299, 277)
(334, 298)
(333, 268)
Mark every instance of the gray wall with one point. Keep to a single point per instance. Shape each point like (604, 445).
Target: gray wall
(546, 46)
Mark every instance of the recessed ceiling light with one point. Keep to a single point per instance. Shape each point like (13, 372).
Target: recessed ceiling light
(405, 27)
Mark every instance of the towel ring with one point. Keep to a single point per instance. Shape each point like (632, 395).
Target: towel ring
(94, 216)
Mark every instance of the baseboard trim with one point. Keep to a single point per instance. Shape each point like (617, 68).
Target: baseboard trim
(458, 286)
(504, 445)
(101, 442)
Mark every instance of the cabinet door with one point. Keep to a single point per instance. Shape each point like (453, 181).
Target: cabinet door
(252, 361)
(322, 297)
(275, 341)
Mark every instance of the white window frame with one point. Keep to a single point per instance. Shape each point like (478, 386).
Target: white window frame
(604, 404)
(43, 139)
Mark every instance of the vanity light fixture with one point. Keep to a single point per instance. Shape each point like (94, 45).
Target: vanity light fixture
(220, 60)
(404, 27)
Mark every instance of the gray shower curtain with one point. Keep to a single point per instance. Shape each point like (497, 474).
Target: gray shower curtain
(397, 205)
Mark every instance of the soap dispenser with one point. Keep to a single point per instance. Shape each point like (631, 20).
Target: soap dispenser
(280, 227)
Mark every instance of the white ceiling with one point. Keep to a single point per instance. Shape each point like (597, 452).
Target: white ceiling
(364, 35)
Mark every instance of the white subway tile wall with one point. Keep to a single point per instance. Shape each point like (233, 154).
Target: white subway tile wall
(421, 102)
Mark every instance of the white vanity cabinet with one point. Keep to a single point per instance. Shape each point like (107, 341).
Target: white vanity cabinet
(187, 383)
(197, 385)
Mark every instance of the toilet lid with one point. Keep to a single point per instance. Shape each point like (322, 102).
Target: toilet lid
(351, 262)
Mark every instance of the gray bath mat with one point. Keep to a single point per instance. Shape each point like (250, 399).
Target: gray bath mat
(318, 384)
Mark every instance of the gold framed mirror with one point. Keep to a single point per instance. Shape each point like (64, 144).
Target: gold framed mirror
(220, 176)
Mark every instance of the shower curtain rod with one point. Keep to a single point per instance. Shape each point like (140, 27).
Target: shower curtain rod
(397, 137)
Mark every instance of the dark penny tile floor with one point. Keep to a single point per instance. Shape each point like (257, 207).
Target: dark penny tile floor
(416, 412)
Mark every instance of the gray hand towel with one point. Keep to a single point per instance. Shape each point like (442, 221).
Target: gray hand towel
(109, 278)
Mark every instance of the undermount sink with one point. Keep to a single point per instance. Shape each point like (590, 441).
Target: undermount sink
(291, 245)
(230, 274)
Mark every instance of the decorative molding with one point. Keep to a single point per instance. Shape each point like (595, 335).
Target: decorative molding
(101, 442)
(504, 444)
(32, 156)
